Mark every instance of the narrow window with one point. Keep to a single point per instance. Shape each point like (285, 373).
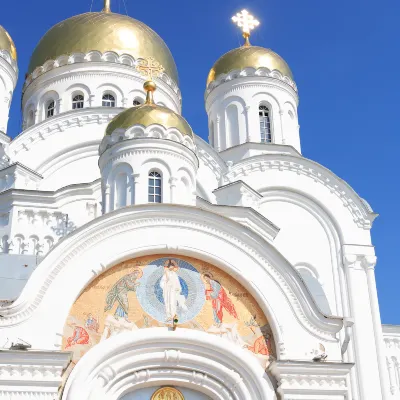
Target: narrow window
(51, 106)
(265, 124)
(108, 100)
(137, 102)
(154, 187)
(77, 101)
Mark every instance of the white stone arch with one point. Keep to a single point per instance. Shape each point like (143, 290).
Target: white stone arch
(160, 166)
(136, 94)
(170, 229)
(272, 102)
(120, 171)
(109, 88)
(72, 91)
(49, 96)
(156, 356)
(234, 131)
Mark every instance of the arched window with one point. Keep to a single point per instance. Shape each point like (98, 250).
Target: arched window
(77, 101)
(137, 102)
(50, 109)
(265, 124)
(155, 187)
(108, 100)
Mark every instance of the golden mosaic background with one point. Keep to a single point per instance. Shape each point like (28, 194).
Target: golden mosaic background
(88, 322)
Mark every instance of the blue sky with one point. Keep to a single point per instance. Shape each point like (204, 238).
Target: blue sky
(344, 56)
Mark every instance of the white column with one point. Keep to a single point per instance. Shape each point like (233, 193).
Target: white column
(172, 185)
(247, 111)
(136, 185)
(138, 197)
(363, 332)
(107, 199)
(217, 128)
(369, 264)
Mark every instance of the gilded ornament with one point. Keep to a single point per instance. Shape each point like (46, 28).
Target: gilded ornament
(247, 23)
(248, 56)
(167, 393)
(6, 43)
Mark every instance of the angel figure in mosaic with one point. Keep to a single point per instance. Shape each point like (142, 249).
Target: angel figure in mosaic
(119, 293)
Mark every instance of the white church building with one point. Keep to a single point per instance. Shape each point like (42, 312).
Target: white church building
(140, 262)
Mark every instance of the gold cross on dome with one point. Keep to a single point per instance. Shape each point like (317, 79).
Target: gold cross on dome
(247, 23)
(150, 67)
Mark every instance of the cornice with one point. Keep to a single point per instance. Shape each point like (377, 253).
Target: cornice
(173, 217)
(45, 199)
(235, 86)
(250, 72)
(147, 150)
(154, 131)
(60, 123)
(108, 57)
(361, 214)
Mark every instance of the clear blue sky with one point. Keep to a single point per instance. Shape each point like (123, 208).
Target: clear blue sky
(344, 55)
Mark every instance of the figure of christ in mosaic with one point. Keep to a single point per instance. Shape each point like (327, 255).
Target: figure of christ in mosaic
(172, 290)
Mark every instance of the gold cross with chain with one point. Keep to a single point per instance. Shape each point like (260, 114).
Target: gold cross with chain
(247, 23)
(150, 67)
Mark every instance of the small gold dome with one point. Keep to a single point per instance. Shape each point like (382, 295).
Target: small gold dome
(6, 43)
(103, 31)
(149, 114)
(249, 56)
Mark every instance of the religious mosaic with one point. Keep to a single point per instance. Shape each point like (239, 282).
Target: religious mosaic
(160, 291)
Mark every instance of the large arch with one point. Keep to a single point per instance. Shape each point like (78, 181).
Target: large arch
(154, 229)
(157, 356)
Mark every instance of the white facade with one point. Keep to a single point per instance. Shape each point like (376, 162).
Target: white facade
(74, 204)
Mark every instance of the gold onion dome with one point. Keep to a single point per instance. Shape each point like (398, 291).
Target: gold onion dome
(149, 114)
(248, 56)
(6, 43)
(102, 31)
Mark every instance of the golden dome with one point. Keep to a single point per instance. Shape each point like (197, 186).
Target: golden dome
(103, 31)
(6, 43)
(249, 56)
(149, 114)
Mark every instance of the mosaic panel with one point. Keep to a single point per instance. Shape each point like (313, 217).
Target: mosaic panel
(152, 291)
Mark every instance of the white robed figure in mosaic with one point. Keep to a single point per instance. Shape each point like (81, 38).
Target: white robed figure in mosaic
(172, 290)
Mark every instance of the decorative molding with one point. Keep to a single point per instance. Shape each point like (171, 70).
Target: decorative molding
(363, 217)
(95, 57)
(250, 72)
(60, 123)
(193, 357)
(31, 374)
(302, 378)
(154, 131)
(179, 217)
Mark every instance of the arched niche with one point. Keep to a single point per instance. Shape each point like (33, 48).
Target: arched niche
(151, 291)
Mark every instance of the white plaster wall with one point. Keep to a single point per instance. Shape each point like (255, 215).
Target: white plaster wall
(146, 393)
(247, 93)
(8, 80)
